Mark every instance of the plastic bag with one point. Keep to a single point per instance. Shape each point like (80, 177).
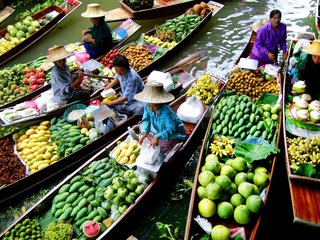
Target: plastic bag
(191, 110)
(161, 77)
(148, 154)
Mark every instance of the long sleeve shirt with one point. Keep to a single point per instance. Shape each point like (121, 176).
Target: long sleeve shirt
(102, 36)
(61, 79)
(166, 125)
(268, 41)
(131, 84)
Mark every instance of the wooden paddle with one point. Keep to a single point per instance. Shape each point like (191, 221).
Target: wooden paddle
(188, 60)
(97, 76)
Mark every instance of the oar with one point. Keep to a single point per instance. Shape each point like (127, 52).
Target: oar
(188, 60)
(97, 76)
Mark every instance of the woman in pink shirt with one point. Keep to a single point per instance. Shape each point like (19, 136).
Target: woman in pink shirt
(269, 37)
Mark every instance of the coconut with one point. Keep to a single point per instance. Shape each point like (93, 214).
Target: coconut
(306, 97)
(296, 99)
(26, 22)
(29, 18)
(8, 36)
(15, 41)
(13, 32)
(315, 116)
(197, 8)
(18, 25)
(31, 29)
(299, 86)
(35, 24)
(314, 105)
(303, 115)
(301, 104)
(9, 27)
(21, 34)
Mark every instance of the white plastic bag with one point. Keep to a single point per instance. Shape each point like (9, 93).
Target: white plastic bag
(148, 154)
(191, 110)
(161, 77)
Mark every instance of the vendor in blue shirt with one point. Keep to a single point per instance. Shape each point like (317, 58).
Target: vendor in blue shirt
(130, 83)
(159, 122)
(63, 85)
(100, 41)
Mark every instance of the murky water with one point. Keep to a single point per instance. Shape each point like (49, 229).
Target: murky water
(223, 38)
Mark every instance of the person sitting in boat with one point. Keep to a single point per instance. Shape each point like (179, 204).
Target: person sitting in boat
(130, 83)
(269, 36)
(100, 41)
(159, 122)
(308, 69)
(64, 86)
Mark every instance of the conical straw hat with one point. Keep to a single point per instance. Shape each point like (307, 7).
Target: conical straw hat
(93, 11)
(154, 92)
(259, 24)
(56, 53)
(314, 48)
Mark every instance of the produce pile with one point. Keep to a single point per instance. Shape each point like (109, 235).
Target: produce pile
(304, 156)
(43, 144)
(205, 88)
(139, 57)
(19, 32)
(303, 107)
(252, 84)
(238, 116)
(139, 4)
(20, 79)
(108, 59)
(11, 168)
(102, 192)
(28, 229)
(230, 190)
(127, 152)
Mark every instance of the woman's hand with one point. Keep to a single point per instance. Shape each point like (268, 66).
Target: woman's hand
(84, 32)
(154, 142)
(142, 137)
(271, 56)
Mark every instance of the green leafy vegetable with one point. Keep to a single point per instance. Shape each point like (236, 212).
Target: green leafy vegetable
(252, 152)
(168, 231)
(306, 169)
(181, 189)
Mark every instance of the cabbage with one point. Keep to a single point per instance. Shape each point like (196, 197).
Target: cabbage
(315, 116)
(301, 103)
(303, 115)
(299, 86)
(314, 105)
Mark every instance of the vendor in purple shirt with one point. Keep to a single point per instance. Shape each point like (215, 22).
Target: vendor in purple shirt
(269, 37)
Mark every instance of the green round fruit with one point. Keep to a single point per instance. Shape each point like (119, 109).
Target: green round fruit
(207, 208)
(239, 164)
(224, 182)
(253, 203)
(206, 177)
(233, 189)
(220, 232)
(242, 214)
(225, 210)
(227, 170)
(213, 191)
(261, 179)
(237, 200)
(201, 191)
(245, 189)
(240, 178)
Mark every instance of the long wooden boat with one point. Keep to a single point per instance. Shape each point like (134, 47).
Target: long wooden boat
(62, 13)
(193, 229)
(160, 8)
(44, 205)
(306, 186)
(317, 17)
(33, 94)
(161, 59)
(75, 159)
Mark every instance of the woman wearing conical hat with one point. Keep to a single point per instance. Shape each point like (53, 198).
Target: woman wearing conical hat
(159, 122)
(100, 40)
(308, 69)
(64, 86)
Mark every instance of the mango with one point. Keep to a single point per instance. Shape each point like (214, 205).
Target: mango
(30, 132)
(45, 123)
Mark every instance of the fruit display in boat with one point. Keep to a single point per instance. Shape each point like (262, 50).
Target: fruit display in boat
(127, 152)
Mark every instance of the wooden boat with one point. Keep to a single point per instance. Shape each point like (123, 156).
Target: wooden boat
(161, 59)
(193, 230)
(317, 17)
(5, 13)
(160, 8)
(62, 13)
(44, 205)
(308, 187)
(75, 159)
(33, 94)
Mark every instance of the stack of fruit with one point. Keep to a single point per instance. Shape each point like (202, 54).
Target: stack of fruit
(159, 42)
(127, 152)
(205, 88)
(28, 229)
(108, 59)
(231, 189)
(21, 30)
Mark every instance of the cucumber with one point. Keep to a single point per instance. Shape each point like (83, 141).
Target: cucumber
(81, 213)
(64, 188)
(75, 179)
(83, 188)
(66, 214)
(82, 203)
(89, 192)
(72, 197)
(75, 186)
(60, 197)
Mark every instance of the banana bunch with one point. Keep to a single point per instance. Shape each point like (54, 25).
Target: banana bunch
(110, 98)
(222, 146)
(127, 152)
(158, 42)
(5, 46)
(205, 88)
(73, 47)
